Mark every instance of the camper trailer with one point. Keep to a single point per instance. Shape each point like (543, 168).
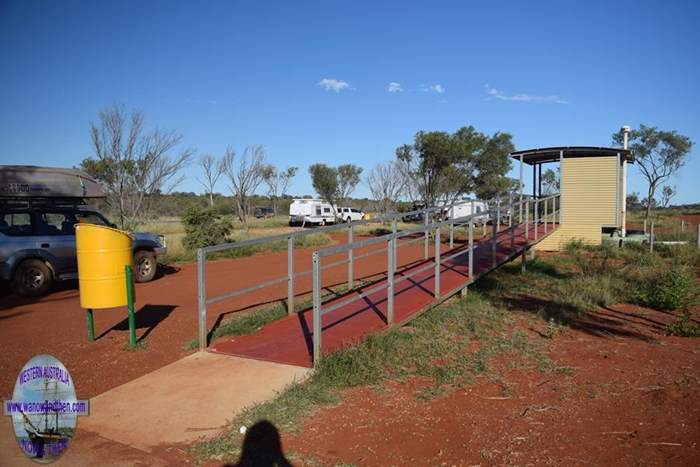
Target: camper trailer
(39, 208)
(467, 208)
(311, 212)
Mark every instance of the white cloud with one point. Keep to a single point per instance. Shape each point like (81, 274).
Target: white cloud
(394, 87)
(497, 94)
(330, 84)
(438, 88)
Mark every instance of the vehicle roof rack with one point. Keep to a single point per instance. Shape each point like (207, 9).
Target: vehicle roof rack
(19, 202)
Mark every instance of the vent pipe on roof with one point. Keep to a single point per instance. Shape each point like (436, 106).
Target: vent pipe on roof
(625, 135)
(623, 183)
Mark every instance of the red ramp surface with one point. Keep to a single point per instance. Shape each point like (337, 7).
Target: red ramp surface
(290, 339)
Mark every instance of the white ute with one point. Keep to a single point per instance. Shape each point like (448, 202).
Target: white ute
(350, 214)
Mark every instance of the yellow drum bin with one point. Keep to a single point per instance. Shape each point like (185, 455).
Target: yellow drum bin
(103, 254)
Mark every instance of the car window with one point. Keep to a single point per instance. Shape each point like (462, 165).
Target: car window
(478, 209)
(56, 223)
(326, 209)
(318, 210)
(16, 224)
(91, 218)
(354, 210)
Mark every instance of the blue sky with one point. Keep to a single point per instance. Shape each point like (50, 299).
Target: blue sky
(243, 73)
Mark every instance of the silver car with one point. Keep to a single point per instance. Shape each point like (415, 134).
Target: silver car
(37, 246)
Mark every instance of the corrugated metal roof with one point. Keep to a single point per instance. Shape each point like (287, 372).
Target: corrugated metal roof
(551, 154)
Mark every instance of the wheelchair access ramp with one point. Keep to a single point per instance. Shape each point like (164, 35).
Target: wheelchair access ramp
(403, 293)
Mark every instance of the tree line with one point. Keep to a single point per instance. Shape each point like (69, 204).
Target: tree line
(136, 166)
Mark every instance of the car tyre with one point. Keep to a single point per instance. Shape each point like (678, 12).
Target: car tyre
(32, 278)
(145, 265)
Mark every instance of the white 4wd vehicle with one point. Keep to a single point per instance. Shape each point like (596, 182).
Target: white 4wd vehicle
(350, 214)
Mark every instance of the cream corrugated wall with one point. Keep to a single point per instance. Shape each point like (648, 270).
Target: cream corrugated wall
(589, 200)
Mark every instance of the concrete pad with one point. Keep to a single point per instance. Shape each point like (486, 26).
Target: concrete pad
(186, 400)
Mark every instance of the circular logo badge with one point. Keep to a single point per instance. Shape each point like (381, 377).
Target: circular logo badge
(44, 408)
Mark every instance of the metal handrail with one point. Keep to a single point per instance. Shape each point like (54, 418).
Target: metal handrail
(541, 214)
(290, 237)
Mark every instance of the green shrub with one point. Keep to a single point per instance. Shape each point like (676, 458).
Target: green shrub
(684, 327)
(687, 255)
(672, 290)
(204, 227)
(593, 260)
(586, 292)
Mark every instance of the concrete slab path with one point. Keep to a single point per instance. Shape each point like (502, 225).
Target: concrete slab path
(186, 400)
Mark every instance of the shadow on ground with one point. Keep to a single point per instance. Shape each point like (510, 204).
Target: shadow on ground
(262, 447)
(148, 317)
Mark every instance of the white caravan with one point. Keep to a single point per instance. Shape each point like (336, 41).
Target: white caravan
(466, 208)
(310, 212)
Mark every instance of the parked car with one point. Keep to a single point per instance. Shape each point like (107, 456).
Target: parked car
(39, 208)
(350, 214)
(37, 246)
(310, 212)
(412, 216)
(261, 212)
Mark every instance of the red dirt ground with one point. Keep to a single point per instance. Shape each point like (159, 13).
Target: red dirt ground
(691, 219)
(632, 400)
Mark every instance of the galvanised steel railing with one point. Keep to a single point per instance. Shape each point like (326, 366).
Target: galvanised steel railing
(428, 215)
(542, 214)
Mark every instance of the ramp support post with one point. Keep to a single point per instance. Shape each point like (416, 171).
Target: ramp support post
(536, 219)
(202, 299)
(498, 215)
(527, 222)
(316, 271)
(494, 230)
(437, 262)
(471, 250)
(545, 215)
(425, 237)
(290, 274)
(512, 240)
(452, 227)
(391, 267)
(393, 230)
(350, 272)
